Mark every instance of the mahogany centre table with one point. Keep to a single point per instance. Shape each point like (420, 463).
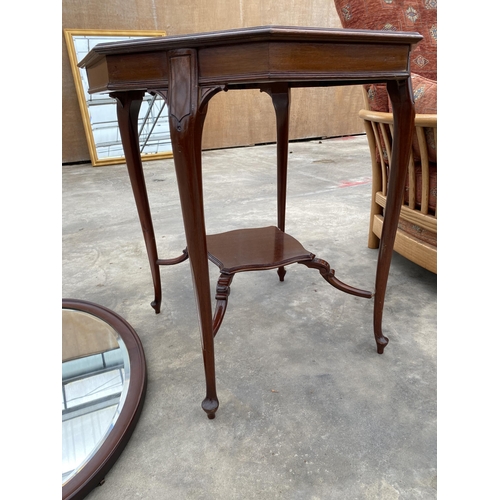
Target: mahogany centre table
(187, 71)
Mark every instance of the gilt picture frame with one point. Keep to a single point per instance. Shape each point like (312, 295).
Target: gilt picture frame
(98, 111)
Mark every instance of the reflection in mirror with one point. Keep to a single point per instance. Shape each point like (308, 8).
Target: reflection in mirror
(99, 110)
(95, 375)
(103, 390)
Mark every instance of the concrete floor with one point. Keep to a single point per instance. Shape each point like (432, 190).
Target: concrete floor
(308, 409)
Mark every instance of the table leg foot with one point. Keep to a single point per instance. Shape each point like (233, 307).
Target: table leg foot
(381, 343)
(281, 273)
(210, 406)
(156, 305)
(380, 339)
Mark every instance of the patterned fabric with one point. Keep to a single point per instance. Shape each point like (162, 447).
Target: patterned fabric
(418, 232)
(404, 15)
(425, 97)
(418, 183)
(398, 15)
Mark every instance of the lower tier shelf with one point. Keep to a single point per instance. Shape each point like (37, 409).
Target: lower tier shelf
(255, 249)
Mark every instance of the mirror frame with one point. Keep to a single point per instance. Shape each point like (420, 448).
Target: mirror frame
(93, 472)
(81, 92)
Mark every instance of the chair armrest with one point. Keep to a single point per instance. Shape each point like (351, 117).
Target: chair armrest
(429, 120)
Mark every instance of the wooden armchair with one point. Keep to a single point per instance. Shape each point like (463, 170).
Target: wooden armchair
(416, 237)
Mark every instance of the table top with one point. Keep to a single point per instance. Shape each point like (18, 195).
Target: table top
(250, 57)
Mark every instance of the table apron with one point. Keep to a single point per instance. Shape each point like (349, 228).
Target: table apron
(252, 64)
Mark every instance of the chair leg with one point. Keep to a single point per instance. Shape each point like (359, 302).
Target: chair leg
(373, 239)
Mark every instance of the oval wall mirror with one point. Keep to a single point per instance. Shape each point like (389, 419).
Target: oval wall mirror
(103, 389)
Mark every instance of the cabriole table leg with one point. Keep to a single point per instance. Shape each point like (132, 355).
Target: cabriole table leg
(128, 107)
(186, 117)
(404, 116)
(280, 95)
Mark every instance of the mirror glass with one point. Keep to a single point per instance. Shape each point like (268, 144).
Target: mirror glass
(99, 110)
(104, 383)
(95, 380)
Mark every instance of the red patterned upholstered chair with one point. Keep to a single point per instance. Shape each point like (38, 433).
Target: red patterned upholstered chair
(416, 238)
